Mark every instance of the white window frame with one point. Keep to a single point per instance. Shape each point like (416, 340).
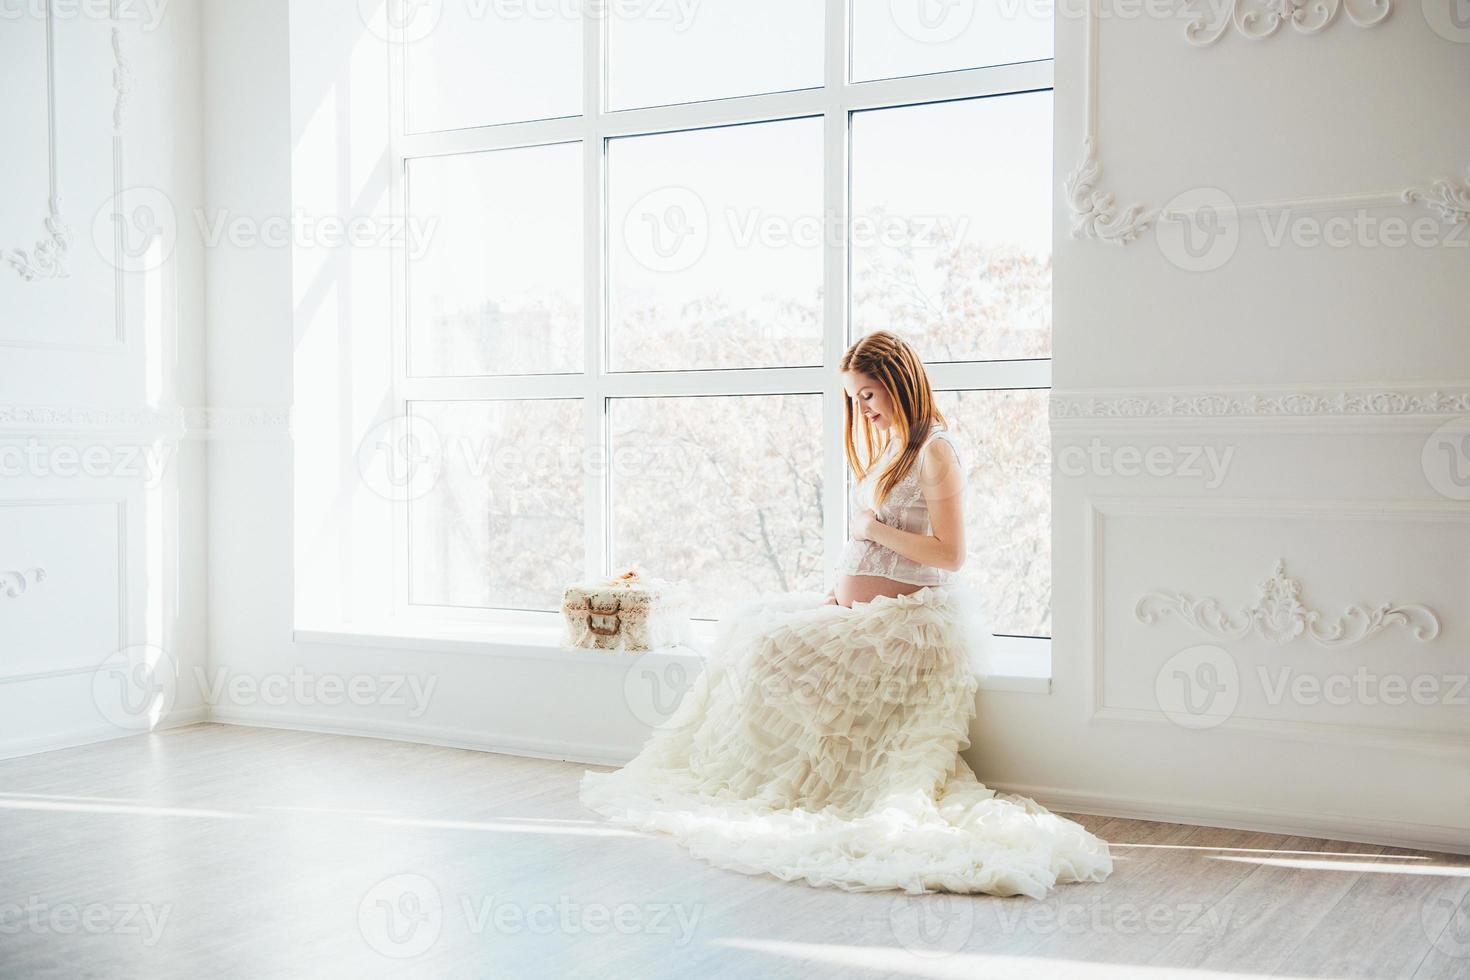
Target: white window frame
(834, 103)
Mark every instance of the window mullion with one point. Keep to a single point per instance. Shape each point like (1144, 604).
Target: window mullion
(595, 490)
(834, 285)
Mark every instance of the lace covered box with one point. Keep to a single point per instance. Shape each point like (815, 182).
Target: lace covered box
(629, 611)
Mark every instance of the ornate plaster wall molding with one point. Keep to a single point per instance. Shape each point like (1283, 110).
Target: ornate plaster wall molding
(1095, 213)
(1450, 197)
(1257, 19)
(47, 258)
(1265, 403)
(14, 584)
(1279, 616)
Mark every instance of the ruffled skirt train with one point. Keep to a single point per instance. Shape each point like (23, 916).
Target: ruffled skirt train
(821, 742)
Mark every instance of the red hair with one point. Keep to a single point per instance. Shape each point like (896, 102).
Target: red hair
(896, 368)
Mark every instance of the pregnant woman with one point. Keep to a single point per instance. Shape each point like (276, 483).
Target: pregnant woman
(822, 740)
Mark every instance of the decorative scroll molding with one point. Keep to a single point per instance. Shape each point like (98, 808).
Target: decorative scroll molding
(1094, 210)
(1366, 403)
(47, 258)
(1450, 197)
(14, 584)
(1279, 616)
(1257, 19)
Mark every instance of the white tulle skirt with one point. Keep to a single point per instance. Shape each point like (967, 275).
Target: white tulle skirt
(822, 742)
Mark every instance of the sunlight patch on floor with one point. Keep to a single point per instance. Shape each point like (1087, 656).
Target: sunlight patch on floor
(1271, 850)
(975, 966)
(130, 810)
(1444, 870)
(524, 825)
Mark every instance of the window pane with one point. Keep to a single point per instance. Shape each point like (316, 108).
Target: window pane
(951, 226)
(495, 262)
(476, 63)
(894, 38)
(692, 50)
(715, 257)
(723, 492)
(502, 526)
(1007, 448)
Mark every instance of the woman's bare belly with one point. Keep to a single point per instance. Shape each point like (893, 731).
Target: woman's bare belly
(864, 588)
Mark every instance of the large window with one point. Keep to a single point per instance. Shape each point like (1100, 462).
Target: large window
(652, 229)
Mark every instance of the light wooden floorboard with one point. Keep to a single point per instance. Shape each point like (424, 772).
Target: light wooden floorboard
(220, 852)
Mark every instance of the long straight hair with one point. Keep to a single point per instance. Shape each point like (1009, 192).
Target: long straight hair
(896, 367)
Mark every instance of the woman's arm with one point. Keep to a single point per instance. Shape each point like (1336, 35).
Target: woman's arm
(942, 484)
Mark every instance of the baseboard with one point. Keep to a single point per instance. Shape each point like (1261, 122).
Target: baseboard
(456, 738)
(16, 747)
(1304, 824)
(1390, 833)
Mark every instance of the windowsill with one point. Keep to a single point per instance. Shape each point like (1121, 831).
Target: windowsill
(1017, 665)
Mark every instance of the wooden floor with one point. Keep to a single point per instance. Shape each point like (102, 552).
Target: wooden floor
(215, 851)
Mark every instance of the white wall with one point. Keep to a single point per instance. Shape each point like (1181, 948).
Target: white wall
(102, 554)
(1271, 354)
(1322, 371)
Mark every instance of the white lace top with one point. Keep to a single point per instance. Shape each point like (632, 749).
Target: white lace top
(905, 509)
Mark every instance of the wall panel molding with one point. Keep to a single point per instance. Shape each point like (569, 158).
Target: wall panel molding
(1278, 615)
(1259, 19)
(78, 661)
(49, 258)
(1450, 197)
(15, 583)
(1095, 598)
(1095, 211)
